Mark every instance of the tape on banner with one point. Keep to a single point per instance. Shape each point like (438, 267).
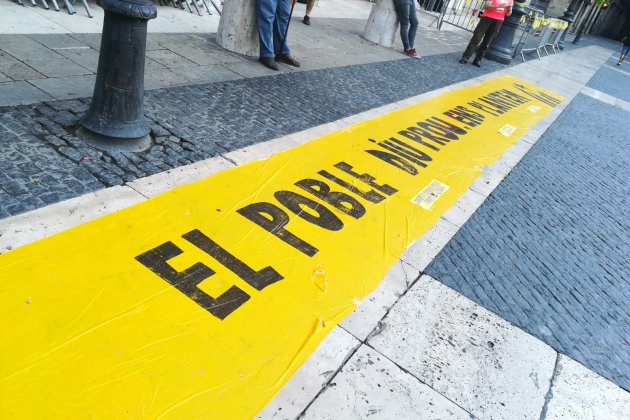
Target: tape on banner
(201, 302)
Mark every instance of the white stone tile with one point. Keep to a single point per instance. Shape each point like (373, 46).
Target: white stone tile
(515, 153)
(309, 134)
(375, 305)
(600, 96)
(488, 181)
(466, 353)
(37, 224)
(261, 150)
(153, 185)
(465, 207)
(424, 250)
(578, 393)
(311, 377)
(622, 104)
(370, 386)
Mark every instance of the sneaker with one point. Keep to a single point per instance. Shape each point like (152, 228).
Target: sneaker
(306, 20)
(618, 64)
(463, 61)
(269, 63)
(410, 52)
(477, 63)
(287, 59)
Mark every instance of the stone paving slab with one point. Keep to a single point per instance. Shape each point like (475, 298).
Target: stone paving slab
(21, 92)
(85, 57)
(16, 70)
(210, 74)
(57, 67)
(466, 353)
(67, 87)
(24, 48)
(371, 386)
(311, 377)
(375, 306)
(580, 394)
(91, 40)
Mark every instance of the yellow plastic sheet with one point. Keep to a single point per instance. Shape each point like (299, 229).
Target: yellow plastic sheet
(201, 302)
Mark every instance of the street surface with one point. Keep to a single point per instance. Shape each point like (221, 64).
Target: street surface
(513, 302)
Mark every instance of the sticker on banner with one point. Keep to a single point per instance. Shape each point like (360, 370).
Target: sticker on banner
(430, 194)
(507, 130)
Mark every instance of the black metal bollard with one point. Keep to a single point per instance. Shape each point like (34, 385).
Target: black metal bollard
(501, 48)
(117, 111)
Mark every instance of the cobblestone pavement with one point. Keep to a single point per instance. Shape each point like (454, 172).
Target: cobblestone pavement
(549, 250)
(42, 160)
(613, 81)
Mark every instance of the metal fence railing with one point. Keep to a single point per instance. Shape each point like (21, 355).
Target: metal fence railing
(463, 14)
(198, 5)
(536, 33)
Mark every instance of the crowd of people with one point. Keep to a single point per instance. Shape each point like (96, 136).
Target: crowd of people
(273, 19)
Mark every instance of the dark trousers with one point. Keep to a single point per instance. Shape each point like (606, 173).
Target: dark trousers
(406, 10)
(273, 18)
(484, 33)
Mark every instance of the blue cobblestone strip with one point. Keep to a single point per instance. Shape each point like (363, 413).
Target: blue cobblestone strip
(613, 80)
(549, 250)
(43, 162)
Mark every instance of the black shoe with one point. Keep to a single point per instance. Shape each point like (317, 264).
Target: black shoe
(477, 63)
(287, 59)
(463, 61)
(269, 63)
(306, 20)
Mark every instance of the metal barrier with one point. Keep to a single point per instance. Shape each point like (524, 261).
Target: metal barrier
(198, 5)
(537, 32)
(195, 3)
(67, 4)
(463, 14)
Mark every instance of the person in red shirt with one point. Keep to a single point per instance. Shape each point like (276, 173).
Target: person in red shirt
(494, 12)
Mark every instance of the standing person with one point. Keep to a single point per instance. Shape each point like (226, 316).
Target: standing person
(625, 48)
(273, 20)
(406, 11)
(494, 12)
(309, 9)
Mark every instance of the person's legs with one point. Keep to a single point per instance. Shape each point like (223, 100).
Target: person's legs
(478, 35)
(624, 52)
(402, 9)
(309, 9)
(265, 15)
(491, 32)
(280, 43)
(282, 13)
(413, 24)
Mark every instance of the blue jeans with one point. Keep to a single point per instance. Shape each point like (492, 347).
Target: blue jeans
(273, 18)
(406, 11)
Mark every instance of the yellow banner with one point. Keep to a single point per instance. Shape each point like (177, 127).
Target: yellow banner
(201, 302)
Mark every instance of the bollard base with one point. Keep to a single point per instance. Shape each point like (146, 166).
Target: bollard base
(503, 57)
(137, 144)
